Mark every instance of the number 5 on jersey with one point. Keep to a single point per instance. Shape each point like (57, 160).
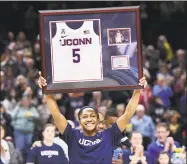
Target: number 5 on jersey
(76, 55)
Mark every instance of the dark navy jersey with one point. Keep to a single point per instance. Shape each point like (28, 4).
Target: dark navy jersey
(47, 155)
(96, 149)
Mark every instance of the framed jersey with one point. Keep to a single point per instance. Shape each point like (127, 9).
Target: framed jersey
(91, 49)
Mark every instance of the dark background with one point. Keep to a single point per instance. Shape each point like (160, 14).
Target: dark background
(167, 18)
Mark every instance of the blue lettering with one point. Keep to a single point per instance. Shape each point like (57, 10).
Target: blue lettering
(75, 42)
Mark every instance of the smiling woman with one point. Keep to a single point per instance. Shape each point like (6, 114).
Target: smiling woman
(89, 145)
(48, 152)
(88, 119)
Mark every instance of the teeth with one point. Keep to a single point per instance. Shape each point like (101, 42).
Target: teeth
(89, 124)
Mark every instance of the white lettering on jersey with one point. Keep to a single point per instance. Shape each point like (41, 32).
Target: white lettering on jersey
(88, 142)
(76, 53)
(49, 153)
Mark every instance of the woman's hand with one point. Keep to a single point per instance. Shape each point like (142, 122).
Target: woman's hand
(41, 81)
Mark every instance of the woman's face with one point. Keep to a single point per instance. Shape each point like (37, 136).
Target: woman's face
(89, 120)
(26, 102)
(49, 133)
(174, 120)
(21, 36)
(163, 159)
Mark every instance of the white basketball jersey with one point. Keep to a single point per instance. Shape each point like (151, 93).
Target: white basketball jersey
(76, 54)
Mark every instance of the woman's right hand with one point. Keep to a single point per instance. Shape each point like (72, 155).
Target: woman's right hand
(41, 81)
(37, 144)
(139, 150)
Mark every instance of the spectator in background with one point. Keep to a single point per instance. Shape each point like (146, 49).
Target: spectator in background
(164, 71)
(179, 60)
(76, 121)
(146, 94)
(32, 71)
(76, 100)
(37, 56)
(176, 128)
(2, 85)
(22, 42)
(20, 86)
(182, 105)
(7, 143)
(4, 149)
(24, 121)
(157, 111)
(179, 88)
(143, 124)
(163, 91)
(44, 113)
(120, 109)
(6, 81)
(151, 60)
(29, 93)
(163, 158)
(103, 109)
(102, 123)
(138, 156)
(10, 74)
(137, 144)
(179, 156)
(10, 102)
(166, 52)
(57, 140)
(14, 157)
(49, 152)
(96, 99)
(163, 142)
(20, 64)
(111, 116)
(61, 101)
(11, 41)
(6, 121)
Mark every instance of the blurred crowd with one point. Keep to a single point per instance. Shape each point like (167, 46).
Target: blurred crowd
(161, 115)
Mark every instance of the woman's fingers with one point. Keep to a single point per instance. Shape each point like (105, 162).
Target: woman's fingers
(41, 81)
(143, 82)
(40, 74)
(39, 84)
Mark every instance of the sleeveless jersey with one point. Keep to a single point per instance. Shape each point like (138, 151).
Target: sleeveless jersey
(76, 53)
